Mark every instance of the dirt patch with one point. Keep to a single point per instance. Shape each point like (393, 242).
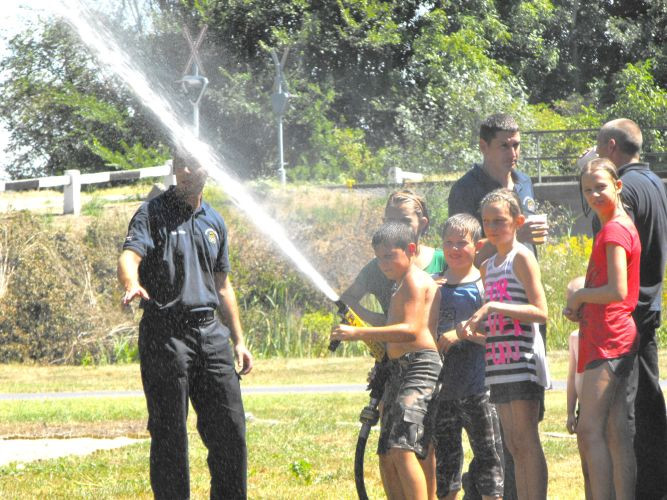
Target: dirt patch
(130, 428)
(30, 442)
(29, 450)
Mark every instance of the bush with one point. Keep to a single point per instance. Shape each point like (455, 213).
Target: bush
(561, 261)
(54, 308)
(59, 294)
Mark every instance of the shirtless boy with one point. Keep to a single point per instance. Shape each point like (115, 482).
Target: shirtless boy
(414, 362)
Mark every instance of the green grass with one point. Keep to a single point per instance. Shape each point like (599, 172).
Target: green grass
(67, 411)
(299, 447)
(19, 378)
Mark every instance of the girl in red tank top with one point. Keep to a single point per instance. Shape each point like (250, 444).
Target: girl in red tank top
(607, 336)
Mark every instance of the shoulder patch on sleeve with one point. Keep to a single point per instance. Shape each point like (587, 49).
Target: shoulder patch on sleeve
(211, 236)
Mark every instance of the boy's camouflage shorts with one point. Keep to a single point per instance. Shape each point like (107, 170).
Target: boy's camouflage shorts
(407, 397)
(478, 417)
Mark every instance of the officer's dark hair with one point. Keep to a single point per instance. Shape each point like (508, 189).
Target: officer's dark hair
(625, 132)
(499, 122)
(465, 224)
(182, 159)
(394, 235)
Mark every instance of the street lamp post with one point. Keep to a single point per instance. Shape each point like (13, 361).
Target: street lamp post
(279, 101)
(194, 84)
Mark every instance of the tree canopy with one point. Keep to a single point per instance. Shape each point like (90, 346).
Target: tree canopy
(373, 83)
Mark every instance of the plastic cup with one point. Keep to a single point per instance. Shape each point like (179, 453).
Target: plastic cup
(589, 155)
(542, 223)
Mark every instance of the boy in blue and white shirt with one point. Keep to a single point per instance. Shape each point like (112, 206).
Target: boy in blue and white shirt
(463, 400)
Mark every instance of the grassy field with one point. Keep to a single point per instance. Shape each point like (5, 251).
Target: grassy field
(300, 446)
(18, 378)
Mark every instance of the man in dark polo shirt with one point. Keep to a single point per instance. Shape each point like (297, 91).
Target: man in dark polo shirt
(500, 144)
(645, 201)
(175, 259)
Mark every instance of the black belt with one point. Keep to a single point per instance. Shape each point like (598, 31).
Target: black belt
(189, 317)
(198, 317)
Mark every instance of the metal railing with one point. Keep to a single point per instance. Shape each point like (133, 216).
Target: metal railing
(537, 152)
(72, 180)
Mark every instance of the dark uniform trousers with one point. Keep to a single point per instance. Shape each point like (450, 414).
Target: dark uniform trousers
(191, 357)
(647, 411)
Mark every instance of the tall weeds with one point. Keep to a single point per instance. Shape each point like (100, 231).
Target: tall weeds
(59, 297)
(560, 261)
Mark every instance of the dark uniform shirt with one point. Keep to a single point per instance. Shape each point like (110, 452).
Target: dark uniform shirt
(467, 193)
(181, 249)
(645, 201)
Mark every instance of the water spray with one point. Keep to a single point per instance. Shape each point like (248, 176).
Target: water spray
(104, 46)
(99, 39)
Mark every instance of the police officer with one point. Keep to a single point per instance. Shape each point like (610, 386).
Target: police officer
(175, 259)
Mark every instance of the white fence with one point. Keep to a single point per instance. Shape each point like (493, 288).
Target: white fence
(74, 179)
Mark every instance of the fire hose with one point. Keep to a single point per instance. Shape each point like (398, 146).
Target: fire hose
(369, 414)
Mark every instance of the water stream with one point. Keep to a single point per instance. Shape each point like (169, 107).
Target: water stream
(108, 52)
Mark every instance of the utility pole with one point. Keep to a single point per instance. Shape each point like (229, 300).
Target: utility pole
(279, 100)
(194, 84)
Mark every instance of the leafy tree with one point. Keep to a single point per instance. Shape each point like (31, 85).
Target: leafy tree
(373, 83)
(637, 96)
(62, 112)
(457, 85)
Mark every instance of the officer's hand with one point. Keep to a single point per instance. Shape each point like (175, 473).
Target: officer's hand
(243, 359)
(134, 291)
(532, 232)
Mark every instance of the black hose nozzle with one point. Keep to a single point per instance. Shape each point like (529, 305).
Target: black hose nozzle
(344, 312)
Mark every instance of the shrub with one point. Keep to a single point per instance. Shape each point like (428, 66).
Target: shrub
(53, 310)
(561, 261)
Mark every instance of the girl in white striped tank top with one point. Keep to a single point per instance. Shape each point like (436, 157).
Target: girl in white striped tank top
(514, 348)
(515, 363)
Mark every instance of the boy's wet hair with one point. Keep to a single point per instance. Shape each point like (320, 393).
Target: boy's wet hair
(499, 122)
(465, 224)
(403, 196)
(503, 195)
(394, 235)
